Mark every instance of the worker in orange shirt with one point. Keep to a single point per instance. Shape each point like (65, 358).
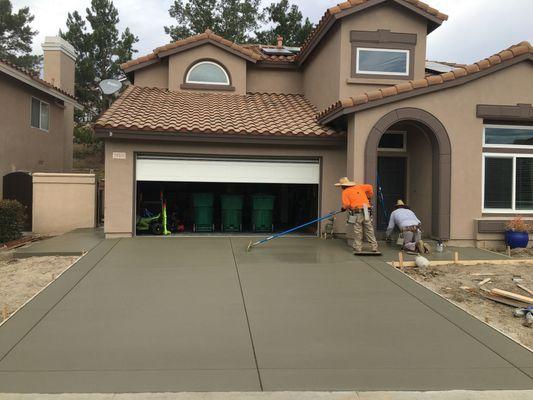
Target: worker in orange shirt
(355, 199)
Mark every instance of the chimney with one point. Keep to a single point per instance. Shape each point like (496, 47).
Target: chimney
(280, 42)
(59, 63)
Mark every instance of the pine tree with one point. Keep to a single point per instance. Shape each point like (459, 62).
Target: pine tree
(287, 22)
(101, 49)
(235, 20)
(16, 36)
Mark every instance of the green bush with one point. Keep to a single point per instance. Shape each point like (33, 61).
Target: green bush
(83, 134)
(12, 218)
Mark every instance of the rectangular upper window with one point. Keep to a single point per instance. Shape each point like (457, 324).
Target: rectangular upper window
(393, 141)
(508, 183)
(382, 61)
(508, 136)
(40, 114)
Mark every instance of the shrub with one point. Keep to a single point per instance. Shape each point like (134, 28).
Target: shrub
(517, 224)
(12, 218)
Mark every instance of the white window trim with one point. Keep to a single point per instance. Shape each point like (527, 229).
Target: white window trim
(40, 111)
(512, 210)
(507, 146)
(188, 80)
(403, 149)
(360, 71)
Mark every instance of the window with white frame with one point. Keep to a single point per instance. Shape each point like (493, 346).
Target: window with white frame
(393, 141)
(508, 136)
(382, 61)
(207, 73)
(40, 114)
(508, 182)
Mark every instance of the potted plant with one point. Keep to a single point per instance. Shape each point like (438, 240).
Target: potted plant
(517, 233)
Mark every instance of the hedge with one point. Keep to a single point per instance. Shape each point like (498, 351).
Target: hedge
(12, 218)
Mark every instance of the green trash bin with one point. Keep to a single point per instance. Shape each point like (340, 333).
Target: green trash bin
(262, 209)
(231, 206)
(203, 212)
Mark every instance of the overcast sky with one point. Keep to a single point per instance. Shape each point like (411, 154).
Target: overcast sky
(475, 28)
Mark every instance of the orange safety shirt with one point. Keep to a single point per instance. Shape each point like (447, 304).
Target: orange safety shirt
(355, 197)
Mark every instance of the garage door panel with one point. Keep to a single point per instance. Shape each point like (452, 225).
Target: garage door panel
(226, 171)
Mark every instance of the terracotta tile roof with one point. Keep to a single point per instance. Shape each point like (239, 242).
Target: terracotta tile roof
(332, 13)
(208, 35)
(161, 110)
(459, 73)
(34, 77)
(256, 48)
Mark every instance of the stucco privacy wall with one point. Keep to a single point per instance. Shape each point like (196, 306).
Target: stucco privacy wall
(63, 202)
(22, 147)
(388, 16)
(119, 195)
(179, 63)
(455, 108)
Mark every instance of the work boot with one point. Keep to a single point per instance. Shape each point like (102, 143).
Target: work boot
(420, 247)
(427, 248)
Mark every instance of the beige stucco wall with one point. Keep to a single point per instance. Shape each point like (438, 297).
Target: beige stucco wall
(153, 76)
(456, 110)
(24, 148)
(63, 202)
(266, 80)
(59, 70)
(388, 16)
(180, 62)
(119, 194)
(321, 78)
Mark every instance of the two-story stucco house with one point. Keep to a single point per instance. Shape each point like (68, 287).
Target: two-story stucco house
(37, 115)
(358, 99)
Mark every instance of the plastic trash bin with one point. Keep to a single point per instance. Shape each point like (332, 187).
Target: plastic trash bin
(231, 206)
(262, 209)
(203, 212)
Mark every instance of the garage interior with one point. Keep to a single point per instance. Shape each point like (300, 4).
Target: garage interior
(225, 195)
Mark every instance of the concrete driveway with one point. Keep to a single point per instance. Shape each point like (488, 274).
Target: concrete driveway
(201, 314)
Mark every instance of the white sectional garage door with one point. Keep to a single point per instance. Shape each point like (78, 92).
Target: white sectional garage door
(227, 170)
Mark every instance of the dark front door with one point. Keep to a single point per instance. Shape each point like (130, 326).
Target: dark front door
(392, 177)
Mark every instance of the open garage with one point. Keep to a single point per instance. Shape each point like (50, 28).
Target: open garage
(176, 195)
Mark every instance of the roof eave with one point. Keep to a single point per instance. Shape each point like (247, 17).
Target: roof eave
(188, 46)
(139, 135)
(20, 76)
(433, 23)
(341, 111)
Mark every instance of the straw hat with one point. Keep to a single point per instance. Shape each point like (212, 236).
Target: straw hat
(345, 182)
(400, 203)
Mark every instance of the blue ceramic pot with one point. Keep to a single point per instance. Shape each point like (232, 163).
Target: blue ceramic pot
(515, 239)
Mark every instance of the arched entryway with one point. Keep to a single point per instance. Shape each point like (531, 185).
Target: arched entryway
(427, 164)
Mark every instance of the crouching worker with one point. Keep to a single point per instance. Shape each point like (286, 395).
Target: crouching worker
(409, 225)
(355, 198)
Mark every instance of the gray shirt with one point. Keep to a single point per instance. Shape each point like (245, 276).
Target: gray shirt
(402, 218)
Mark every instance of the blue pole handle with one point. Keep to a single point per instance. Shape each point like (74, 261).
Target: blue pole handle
(277, 235)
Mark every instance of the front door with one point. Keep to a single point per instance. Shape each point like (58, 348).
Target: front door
(392, 176)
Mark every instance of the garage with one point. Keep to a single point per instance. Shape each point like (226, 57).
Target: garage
(228, 195)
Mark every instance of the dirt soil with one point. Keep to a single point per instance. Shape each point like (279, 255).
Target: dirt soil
(519, 253)
(447, 281)
(20, 279)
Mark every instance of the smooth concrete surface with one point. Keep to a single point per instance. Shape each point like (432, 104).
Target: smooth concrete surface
(74, 243)
(202, 314)
(445, 395)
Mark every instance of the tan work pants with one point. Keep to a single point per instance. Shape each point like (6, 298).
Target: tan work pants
(363, 228)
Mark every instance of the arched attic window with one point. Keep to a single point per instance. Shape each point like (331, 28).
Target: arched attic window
(207, 73)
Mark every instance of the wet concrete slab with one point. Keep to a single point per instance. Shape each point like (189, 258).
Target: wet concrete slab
(73, 243)
(202, 314)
